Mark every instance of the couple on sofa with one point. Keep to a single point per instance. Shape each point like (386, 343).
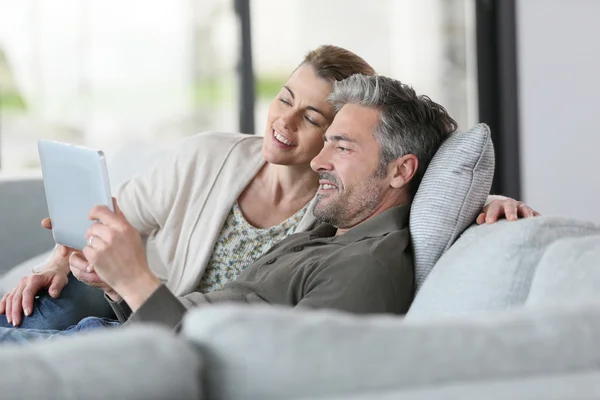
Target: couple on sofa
(315, 214)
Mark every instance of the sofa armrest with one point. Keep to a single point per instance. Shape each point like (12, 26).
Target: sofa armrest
(125, 363)
(257, 353)
(22, 207)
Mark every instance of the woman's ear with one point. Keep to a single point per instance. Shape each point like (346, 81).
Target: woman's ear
(403, 169)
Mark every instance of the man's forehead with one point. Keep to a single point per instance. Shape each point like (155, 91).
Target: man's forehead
(353, 121)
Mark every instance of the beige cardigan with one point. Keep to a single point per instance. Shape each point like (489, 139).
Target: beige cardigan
(180, 204)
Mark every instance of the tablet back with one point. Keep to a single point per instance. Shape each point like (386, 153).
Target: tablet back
(75, 180)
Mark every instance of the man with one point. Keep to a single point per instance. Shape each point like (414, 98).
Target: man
(359, 260)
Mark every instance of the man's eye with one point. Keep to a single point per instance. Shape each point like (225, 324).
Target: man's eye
(343, 149)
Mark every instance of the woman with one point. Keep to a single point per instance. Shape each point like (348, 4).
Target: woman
(211, 208)
(216, 204)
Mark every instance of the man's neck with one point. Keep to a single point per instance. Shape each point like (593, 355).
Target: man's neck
(385, 205)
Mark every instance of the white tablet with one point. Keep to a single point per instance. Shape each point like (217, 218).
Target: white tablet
(75, 180)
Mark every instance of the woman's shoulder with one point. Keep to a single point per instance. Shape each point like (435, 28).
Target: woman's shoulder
(213, 148)
(216, 141)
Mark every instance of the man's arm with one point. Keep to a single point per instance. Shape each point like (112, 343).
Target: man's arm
(164, 308)
(361, 284)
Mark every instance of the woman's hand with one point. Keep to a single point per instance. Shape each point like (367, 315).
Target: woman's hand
(20, 300)
(83, 272)
(52, 277)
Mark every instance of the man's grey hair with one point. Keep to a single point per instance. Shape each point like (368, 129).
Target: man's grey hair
(408, 123)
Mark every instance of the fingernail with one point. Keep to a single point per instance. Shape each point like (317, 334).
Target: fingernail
(54, 293)
(27, 312)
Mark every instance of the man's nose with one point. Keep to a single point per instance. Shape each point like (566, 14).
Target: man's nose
(321, 162)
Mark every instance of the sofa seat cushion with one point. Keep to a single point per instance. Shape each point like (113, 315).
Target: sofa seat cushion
(125, 363)
(269, 353)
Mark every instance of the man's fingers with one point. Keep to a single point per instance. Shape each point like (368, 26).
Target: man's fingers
(100, 231)
(105, 216)
(47, 223)
(86, 277)
(116, 206)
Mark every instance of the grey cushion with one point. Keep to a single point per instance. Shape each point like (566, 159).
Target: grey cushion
(576, 385)
(451, 195)
(11, 279)
(491, 267)
(128, 363)
(22, 208)
(270, 353)
(569, 272)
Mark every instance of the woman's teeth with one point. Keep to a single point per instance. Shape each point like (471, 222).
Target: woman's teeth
(282, 139)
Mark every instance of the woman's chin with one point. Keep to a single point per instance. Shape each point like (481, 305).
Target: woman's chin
(277, 156)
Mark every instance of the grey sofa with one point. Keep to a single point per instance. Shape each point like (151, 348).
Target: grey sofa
(510, 311)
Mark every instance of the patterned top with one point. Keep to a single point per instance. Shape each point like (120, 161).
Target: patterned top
(240, 244)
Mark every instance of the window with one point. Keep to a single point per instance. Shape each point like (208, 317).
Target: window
(429, 44)
(112, 73)
(107, 73)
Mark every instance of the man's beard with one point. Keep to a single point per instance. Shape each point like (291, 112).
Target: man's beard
(353, 206)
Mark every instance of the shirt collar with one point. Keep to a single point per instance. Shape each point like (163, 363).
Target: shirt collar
(394, 219)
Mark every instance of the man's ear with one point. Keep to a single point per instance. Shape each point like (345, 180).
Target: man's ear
(403, 169)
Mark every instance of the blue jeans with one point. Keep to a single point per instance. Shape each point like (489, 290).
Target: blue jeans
(76, 302)
(20, 336)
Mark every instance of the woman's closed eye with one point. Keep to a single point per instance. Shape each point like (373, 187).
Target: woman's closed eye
(285, 101)
(310, 121)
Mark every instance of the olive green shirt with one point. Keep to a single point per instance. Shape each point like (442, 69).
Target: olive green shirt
(368, 269)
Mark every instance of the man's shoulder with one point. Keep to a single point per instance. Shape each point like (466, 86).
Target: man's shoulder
(392, 251)
(391, 243)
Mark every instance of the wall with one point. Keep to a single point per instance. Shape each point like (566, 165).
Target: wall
(559, 88)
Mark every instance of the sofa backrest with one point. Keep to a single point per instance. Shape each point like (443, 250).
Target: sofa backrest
(492, 267)
(22, 208)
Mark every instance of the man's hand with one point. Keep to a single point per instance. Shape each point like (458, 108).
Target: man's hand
(116, 253)
(511, 209)
(20, 299)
